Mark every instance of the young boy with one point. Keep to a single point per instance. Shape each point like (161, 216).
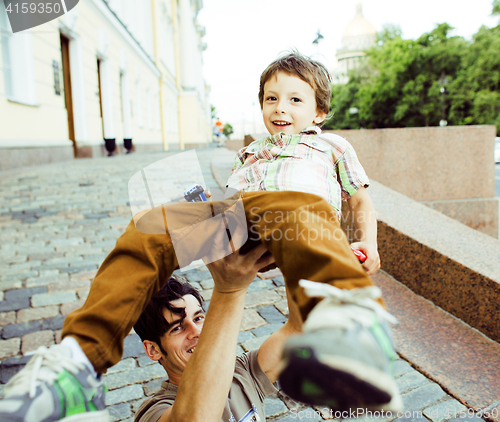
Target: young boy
(291, 185)
(294, 95)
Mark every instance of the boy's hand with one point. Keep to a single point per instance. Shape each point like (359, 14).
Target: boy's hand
(372, 263)
(207, 193)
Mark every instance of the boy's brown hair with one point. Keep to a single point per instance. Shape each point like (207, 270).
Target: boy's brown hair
(310, 71)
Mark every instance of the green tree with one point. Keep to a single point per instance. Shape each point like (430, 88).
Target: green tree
(343, 101)
(389, 32)
(496, 7)
(475, 93)
(400, 85)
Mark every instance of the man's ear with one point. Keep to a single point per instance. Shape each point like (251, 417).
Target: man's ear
(152, 350)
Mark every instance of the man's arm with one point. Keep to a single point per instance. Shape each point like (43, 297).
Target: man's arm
(365, 224)
(206, 380)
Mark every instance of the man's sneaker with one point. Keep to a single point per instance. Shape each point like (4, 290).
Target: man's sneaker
(343, 358)
(53, 387)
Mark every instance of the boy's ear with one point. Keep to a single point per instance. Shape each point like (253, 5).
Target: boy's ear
(152, 350)
(320, 118)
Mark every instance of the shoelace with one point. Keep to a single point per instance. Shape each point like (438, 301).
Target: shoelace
(45, 366)
(364, 297)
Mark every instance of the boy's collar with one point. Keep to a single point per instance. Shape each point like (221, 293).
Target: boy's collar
(311, 130)
(278, 137)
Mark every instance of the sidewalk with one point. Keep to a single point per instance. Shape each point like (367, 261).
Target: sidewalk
(57, 224)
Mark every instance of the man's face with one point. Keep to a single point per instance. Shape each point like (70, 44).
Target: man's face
(181, 339)
(289, 105)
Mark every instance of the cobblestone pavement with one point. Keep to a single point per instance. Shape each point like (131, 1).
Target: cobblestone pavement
(57, 224)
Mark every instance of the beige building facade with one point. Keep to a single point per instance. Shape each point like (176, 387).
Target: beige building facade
(106, 77)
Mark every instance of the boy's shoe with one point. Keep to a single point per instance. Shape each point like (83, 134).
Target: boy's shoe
(343, 359)
(54, 387)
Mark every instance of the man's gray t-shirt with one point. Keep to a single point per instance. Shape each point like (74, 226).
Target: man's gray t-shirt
(245, 401)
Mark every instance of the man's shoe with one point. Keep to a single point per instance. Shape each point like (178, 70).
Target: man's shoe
(343, 358)
(53, 387)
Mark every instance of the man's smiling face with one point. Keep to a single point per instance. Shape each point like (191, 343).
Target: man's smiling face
(289, 105)
(180, 341)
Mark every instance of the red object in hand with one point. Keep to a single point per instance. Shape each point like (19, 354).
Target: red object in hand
(360, 255)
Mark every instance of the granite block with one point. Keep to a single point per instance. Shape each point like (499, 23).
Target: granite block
(245, 335)
(443, 348)
(9, 347)
(55, 323)
(266, 329)
(274, 407)
(14, 305)
(449, 409)
(123, 365)
(437, 257)
(251, 319)
(388, 154)
(410, 381)
(16, 294)
(121, 395)
(32, 341)
(479, 214)
(120, 411)
(132, 346)
(272, 315)
(152, 387)
(422, 397)
(134, 376)
(19, 330)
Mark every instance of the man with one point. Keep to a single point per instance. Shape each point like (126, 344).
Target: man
(198, 351)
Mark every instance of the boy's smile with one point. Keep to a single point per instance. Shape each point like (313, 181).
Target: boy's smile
(289, 105)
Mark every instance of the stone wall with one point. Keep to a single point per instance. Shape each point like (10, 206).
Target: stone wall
(451, 265)
(11, 158)
(450, 169)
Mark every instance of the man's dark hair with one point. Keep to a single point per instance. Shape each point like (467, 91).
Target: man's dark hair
(152, 325)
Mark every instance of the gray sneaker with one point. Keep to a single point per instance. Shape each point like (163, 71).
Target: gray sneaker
(344, 357)
(53, 387)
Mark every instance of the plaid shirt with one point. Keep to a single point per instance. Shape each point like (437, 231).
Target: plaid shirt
(323, 164)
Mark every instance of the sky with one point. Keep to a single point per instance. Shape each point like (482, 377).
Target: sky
(243, 37)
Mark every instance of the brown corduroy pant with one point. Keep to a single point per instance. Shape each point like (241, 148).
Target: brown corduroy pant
(301, 231)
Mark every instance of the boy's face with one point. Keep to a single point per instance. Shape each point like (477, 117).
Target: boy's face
(289, 105)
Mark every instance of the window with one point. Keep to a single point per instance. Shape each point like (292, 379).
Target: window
(17, 62)
(5, 35)
(138, 94)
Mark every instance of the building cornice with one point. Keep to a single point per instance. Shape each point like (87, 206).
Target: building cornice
(107, 13)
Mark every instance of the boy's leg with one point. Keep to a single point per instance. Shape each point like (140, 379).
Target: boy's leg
(303, 233)
(343, 358)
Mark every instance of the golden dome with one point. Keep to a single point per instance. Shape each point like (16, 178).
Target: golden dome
(359, 25)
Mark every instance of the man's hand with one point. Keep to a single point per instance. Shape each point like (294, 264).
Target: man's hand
(372, 263)
(235, 272)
